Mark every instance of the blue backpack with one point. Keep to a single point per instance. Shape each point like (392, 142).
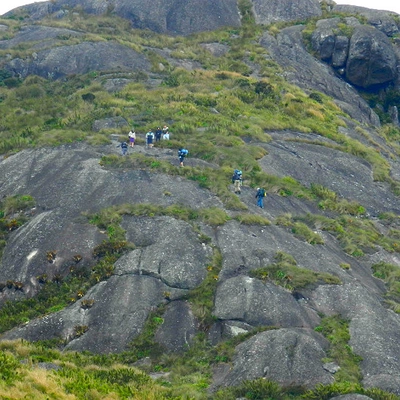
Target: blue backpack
(237, 175)
(183, 152)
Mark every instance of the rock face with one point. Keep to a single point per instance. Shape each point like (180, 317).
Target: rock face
(169, 257)
(366, 59)
(169, 260)
(371, 59)
(271, 11)
(173, 17)
(304, 70)
(79, 59)
(287, 356)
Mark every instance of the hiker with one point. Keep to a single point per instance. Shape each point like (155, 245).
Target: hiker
(182, 153)
(165, 129)
(261, 193)
(165, 136)
(149, 139)
(159, 132)
(237, 180)
(132, 137)
(124, 148)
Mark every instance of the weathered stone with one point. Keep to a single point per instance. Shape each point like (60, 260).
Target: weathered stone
(37, 33)
(286, 356)
(173, 17)
(255, 303)
(373, 329)
(81, 58)
(340, 51)
(371, 59)
(323, 38)
(178, 329)
(271, 11)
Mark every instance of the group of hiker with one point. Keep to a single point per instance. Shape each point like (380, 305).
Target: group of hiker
(152, 138)
(237, 181)
(159, 133)
(237, 178)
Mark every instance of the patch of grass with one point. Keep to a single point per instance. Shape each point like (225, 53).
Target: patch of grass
(336, 330)
(257, 389)
(390, 274)
(144, 345)
(252, 219)
(357, 235)
(285, 272)
(303, 232)
(213, 216)
(201, 298)
(13, 214)
(299, 229)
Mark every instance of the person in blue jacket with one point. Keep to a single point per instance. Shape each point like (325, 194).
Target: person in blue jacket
(260, 197)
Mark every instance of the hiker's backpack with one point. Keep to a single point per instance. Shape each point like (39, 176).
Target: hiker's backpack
(263, 193)
(237, 175)
(183, 152)
(124, 145)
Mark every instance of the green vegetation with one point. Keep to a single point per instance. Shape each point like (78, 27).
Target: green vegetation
(285, 272)
(59, 291)
(12, 215)
(390, 274)
(336, 330)
(356, 234)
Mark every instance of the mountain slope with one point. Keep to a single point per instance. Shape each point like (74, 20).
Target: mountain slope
(129, 257)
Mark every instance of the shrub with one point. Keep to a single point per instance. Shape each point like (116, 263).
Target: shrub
(8, 368)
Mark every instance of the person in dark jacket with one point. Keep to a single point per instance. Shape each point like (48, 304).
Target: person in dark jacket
(158, 134)
(124, 148)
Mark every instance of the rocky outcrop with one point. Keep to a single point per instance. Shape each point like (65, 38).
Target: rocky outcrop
(288, 356)
(168, 257)
(41, 36)
(271, 11)
(385, 21)
(304, 70)
(371, 59)
(169, 260)
(177, 16)
(172, 17)
(366, 59)
(81, 58)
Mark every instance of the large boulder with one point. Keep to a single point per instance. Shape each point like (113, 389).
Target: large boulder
(179, 327)
(255, 303)
(287, 356)
(371, 59)
(366, 58)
